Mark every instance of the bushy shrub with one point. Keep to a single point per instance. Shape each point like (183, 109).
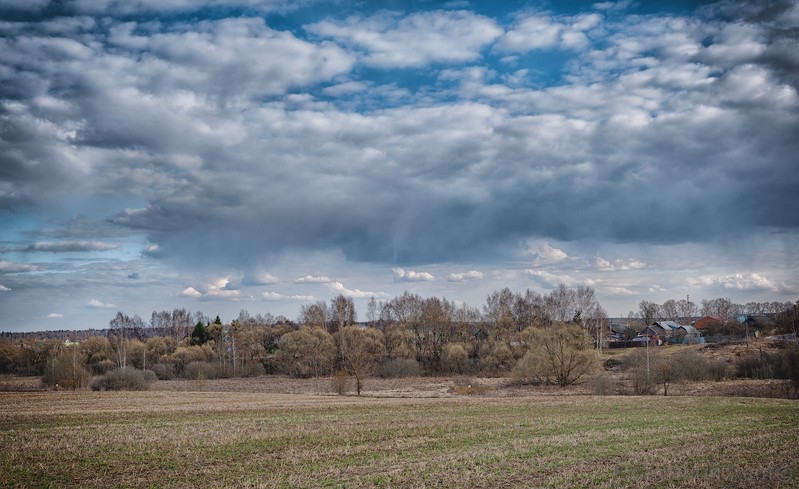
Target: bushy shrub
(789, 368)
(400, 367)
(642, 382)
(525, 370)
(718, 370)
(128, 379)
(454, 359)
(561, 355)
(783, 364)
(695, 367)
(497, 360)
(340, 382)
(164, 371)
(252, 368)
(640, 379)
(602, 384)
(184, 355)
(201, 371)
(612, 364)
(103, 366)
(755, 366)
(665, 369)
(149, 376)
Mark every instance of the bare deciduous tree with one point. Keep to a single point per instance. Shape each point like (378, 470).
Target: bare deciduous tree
(361, 351)
(560, 304)
(561, 355)
(342, 313)
(648, 311)
(122, 328)
(314, 315)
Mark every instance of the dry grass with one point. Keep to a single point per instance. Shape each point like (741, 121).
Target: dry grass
(256, 439)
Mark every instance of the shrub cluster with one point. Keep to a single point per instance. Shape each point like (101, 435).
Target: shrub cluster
(129, 379)
(783, 364)
(602, 384)
(400, 367)
(199, 370)
(666, 368)
(340, 382)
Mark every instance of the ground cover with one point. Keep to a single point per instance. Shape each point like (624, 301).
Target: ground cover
(252, 439)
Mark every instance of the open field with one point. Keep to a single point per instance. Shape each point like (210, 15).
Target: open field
(237, 439)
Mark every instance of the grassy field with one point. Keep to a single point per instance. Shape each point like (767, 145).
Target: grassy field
(202, 439)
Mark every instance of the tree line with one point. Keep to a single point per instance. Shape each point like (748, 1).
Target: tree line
(536, 338)
(406, 335)
(684, 310)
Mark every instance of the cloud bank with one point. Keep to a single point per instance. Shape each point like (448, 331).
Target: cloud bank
(181, 146)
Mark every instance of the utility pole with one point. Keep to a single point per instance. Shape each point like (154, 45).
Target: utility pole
(648, 339)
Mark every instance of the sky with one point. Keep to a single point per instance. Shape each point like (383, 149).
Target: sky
(222, 155)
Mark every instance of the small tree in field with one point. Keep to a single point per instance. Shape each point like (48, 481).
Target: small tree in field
(361, 351)
(561, 355)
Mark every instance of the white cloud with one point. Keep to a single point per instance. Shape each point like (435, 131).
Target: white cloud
(313, 279)
(740, 281)
(621, 291)
(97, 304)
(191, 292)
(419, 39)
(71, 246)
(554, 279)
(346, 88)
(604, 265)
(549, 278)
(222, 288)
(620, 5)
(402, 275)
(339, 288)
(232, 45)
(274, 296)
(170, 6)
(260, 278)
(11, 267)
(736, 43)
(54, 315)
(470, 275)
(223, 293)
(3, 288)
(539, 31)
(545, 253)
(153, 251)
(531, 32)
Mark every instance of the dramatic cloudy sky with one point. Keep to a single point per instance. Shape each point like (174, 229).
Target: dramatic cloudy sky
(223, 155)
